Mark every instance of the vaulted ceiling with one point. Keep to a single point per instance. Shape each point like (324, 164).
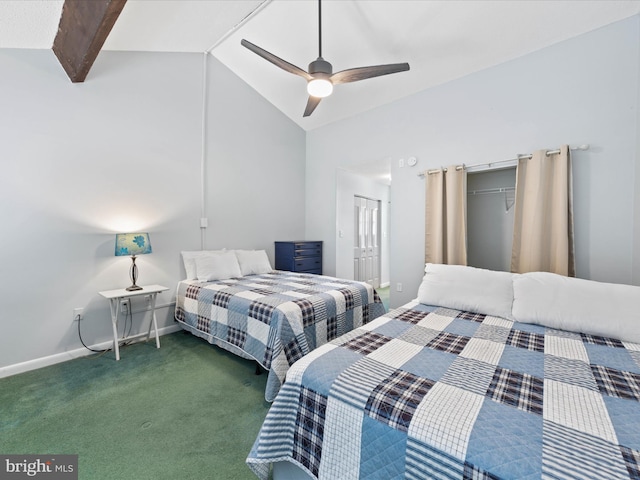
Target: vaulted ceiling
(441, 39)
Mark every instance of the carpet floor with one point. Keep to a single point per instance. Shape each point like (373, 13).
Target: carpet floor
(383, 293)
(185, 411)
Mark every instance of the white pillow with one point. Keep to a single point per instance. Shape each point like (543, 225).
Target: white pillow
(467, 288)
(253, 262)
(586, 306)
(217, 267)
(189, 260)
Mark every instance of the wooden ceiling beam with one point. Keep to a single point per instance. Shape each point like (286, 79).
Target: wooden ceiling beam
(84, 27)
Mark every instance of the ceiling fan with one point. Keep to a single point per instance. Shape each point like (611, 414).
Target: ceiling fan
(320, 77)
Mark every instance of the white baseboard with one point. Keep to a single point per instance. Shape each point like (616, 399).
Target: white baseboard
(69, 355)
(385, 284)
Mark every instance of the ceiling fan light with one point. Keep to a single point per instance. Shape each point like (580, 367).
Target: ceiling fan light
(319, 87)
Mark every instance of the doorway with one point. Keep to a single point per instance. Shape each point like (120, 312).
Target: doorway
(367, 219)
(351, 183)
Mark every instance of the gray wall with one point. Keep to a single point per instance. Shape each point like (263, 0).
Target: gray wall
(122, 152)
(583, 90)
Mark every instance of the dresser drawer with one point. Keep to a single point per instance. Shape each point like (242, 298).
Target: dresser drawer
(307, 250)
(304, 264)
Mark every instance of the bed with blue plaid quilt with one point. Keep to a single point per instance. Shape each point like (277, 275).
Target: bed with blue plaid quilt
(429, 393)
(275, 318)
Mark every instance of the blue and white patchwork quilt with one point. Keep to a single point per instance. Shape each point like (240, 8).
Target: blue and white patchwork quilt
(275, 318)
(431, 393)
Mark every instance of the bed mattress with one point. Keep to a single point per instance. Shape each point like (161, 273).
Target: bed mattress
(428, 392)
(275, 318)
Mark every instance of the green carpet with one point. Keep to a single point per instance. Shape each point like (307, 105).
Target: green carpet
(186, 411)
(383, 293)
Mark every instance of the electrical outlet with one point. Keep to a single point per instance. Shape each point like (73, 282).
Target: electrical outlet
(398, 287)
(125, 306)
(78, 313)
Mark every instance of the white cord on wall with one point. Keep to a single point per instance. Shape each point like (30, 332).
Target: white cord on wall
(203, 161)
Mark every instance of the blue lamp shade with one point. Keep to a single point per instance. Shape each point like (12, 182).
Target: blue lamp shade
(132, 244)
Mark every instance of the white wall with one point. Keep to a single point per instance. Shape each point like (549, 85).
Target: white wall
(636, 209)
(256, 168)
(350, 184)
(584, 90)
(122, 152)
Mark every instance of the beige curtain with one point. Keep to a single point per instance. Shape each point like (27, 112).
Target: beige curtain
(446, 216)
(543, 217)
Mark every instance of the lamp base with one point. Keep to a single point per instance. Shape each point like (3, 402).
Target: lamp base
(133, 273)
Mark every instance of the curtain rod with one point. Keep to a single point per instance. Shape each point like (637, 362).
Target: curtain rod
(490, 165)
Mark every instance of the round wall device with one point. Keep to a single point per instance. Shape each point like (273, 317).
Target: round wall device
(411, 161)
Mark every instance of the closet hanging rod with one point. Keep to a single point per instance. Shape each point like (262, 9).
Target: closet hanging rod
(507, 163)
(491, 190)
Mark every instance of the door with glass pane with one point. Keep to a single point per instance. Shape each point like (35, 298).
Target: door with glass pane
(366, 238)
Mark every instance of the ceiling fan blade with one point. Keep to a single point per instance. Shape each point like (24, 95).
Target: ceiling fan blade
(362, 73)
(312, 103)
(277, 61)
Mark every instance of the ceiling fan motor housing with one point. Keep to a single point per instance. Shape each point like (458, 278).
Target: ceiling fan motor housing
(320, 66)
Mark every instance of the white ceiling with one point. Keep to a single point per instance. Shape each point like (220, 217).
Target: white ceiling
(441, 39)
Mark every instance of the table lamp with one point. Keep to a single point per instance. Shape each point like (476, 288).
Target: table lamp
(132, 244)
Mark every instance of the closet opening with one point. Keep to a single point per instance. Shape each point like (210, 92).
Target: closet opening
(490, 201)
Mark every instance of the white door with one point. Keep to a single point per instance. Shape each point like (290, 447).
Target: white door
(366, 248)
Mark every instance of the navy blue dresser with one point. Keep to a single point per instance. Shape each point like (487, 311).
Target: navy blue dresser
(303, 257)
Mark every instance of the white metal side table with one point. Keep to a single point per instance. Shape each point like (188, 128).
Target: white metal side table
(116, 297)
